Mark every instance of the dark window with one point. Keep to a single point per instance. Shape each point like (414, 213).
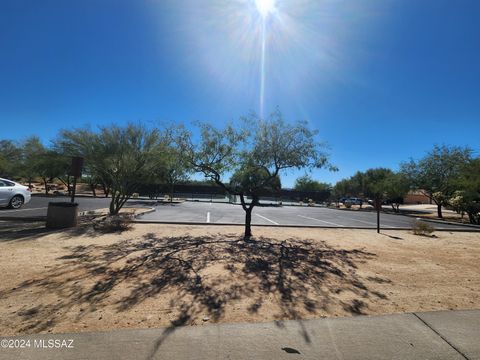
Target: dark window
(5, 183)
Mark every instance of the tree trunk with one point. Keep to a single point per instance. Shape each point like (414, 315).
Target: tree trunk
(105, 190)
(248, 215)
(114, 203)
(248, 224)
(92, 187)
(473, 218)
(439, 211)
(69, 186)
(171, 193)
(45, 182)
(112, 207)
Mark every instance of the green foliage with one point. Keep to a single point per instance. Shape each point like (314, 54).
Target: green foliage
(251, 181)
(121, 157)
(10, 158)
(32, 153)
(307, 184)
(379, 183)
(173, 167)
(274, 146)
(344, 188)
(467, 198)
(437, 172)
(49, 165)
(374, 182)
(255, 153)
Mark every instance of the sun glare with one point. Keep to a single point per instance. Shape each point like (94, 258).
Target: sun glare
(265, 7)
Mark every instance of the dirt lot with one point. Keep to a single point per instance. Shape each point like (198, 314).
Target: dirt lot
(162, 275)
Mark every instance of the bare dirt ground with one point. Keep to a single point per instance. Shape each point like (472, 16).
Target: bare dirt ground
(164, 275)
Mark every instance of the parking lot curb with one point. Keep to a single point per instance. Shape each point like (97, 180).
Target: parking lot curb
(23, 219)
(292, 226)
(95, 212)
(444, 222)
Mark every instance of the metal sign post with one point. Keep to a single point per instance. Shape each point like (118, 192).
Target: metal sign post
(378, 205)
(76, 171)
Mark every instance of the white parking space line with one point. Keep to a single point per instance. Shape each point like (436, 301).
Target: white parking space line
(27, 209)
(208, 217)
(365, 222)
(382, 222)
(264, 218)
(323, 221)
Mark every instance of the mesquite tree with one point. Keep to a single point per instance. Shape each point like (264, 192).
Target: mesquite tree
(254, 154)
(122, 157)
(437, 172)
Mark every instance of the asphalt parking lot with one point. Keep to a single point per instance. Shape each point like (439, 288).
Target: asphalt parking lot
(224, 213)
(37, 207)
(216, 213)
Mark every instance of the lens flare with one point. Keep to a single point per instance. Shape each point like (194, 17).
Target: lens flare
(264, 53)
(265, 7)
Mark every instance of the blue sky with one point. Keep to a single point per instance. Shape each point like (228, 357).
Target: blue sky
(381, 80)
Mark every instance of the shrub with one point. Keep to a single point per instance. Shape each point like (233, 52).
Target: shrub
(347, 204)
(115, 223)
(422, 228)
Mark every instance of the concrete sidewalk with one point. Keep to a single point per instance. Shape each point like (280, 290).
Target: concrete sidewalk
(435, 335)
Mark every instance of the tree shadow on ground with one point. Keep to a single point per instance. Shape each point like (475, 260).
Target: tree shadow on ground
(19, 230)
(202, 276)
(391, 236)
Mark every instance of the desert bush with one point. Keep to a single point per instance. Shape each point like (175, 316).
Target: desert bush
(347, 204)
(422, 228)
(115, 223)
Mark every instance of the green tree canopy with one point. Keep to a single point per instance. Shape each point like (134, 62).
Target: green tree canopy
(122, 157)
(467, 196)
(10, 159)
(378, 183)
(436, 173)
(307, 184)
(32, 153)
(255, 153)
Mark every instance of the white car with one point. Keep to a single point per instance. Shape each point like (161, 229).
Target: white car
(13, 194)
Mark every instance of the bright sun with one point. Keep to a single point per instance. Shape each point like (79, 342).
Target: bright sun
(265, 7)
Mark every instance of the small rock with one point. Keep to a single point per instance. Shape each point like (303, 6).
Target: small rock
(206, 318)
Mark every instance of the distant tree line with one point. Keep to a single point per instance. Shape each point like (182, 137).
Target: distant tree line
(245, 160)
(447, 175)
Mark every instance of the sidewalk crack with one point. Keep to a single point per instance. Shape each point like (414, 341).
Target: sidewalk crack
(441, 336)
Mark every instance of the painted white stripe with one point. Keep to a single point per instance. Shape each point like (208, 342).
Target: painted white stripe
(208, 217)
(9, 211)
(365, 222)
(371, 223)
(263, 217)
(326, 222)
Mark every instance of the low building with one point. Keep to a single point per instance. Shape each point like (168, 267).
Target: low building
(416, 197)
